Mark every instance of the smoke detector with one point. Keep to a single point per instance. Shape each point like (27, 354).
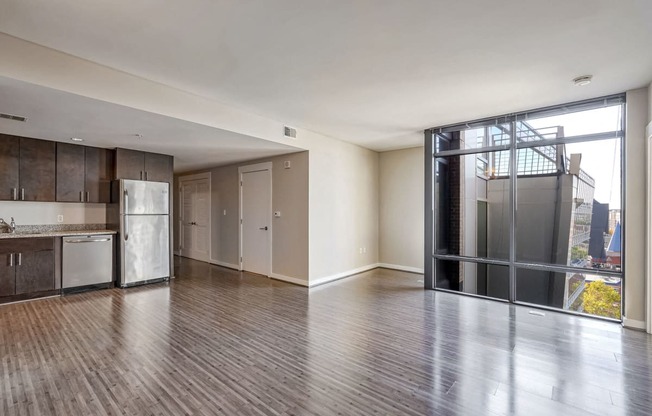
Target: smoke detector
(583, 80)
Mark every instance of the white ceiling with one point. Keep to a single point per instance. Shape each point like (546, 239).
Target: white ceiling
(56, 115)
(369, 72)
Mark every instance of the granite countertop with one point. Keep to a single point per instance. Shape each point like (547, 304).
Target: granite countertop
(44, 234)
(43, 231)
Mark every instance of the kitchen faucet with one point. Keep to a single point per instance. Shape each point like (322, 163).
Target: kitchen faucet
(11, 226)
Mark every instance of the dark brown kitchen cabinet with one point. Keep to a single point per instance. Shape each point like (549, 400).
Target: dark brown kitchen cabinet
(129, 164)
(9, 164)
(27, 169)
(35, 272)
(27, 267)
(158, 168)
(70, 172)
(132, 164)
(83, 173)
(7, 275)
(99, 174)
(37, 170)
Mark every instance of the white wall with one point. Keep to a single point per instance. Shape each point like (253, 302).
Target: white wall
(289, 232)
(635, 205)
(43, 213)
(401, 209)
(343, 207)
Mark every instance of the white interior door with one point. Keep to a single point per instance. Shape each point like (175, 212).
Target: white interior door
(256, 208)
(195, 219)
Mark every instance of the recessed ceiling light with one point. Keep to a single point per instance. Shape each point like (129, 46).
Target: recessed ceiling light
(76, 139)
(583, 80)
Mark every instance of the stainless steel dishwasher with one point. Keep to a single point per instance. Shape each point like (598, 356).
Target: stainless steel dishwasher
(87, 260)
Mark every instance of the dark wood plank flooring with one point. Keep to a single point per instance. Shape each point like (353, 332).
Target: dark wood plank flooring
(216, 341)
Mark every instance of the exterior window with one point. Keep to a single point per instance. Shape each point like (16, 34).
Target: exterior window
(527, 208)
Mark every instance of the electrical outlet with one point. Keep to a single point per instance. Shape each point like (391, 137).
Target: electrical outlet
(360, 250)
(277, 214)
(224, 212)
(59, 218)
(364, 249)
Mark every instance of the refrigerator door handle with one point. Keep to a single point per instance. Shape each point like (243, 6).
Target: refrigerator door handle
(126, 217)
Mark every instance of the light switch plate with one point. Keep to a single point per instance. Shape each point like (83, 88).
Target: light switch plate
(277, 214)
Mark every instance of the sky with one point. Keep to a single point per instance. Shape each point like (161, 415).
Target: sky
(600, 159)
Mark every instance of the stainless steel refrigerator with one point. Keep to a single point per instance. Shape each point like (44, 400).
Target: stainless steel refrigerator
(141, 214)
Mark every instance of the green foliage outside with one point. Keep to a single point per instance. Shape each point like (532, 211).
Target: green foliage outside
(578, 252)
(602, 300)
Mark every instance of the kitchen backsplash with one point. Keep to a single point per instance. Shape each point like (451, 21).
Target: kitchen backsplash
(45, 213)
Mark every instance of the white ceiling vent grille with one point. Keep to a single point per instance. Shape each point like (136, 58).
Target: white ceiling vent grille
(13, 117)
(290, 132)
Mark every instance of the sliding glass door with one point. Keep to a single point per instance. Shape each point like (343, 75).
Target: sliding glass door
(526, 207)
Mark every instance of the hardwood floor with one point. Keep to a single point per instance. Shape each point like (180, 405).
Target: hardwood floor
(216, 341)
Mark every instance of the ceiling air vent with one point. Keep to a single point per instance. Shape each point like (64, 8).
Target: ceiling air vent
(290, 132)
(13, 117)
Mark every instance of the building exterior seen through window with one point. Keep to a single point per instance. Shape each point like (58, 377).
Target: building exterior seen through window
(542, 229)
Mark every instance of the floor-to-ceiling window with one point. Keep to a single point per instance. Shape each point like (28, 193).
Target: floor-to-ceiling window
(526, 207)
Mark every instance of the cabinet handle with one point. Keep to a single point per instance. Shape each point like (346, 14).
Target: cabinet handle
(20, 259)
(141, 175)
(146, 175)
(88, 196)
(11, 260)
(14, 194)
(81, 196)
(22, 194)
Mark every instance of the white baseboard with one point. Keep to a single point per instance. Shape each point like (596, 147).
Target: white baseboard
(634, 324)
(289, 279)
(401, 268)
(225, 264)
(338, 276)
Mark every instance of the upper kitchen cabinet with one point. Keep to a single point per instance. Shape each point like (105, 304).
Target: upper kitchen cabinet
(158, 168)
(27, 169)
(99, 174)
(129, 164)
(83, 173)
(70, 173)
(132, 164)
(9, 164)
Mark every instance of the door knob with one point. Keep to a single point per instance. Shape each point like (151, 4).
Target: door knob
(263, 228)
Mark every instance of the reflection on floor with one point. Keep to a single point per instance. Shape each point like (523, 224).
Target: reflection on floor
(216, 341)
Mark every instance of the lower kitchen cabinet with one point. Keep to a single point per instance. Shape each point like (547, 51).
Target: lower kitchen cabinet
(27, 268)
(7, 276)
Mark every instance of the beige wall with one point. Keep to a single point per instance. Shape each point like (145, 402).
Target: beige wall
(635, 206)
(343, 207)
(41, 213)
(289, 232)
(401, 208)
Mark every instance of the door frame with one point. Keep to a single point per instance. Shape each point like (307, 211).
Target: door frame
(195, 177)
(258, 167)
(648, 259)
